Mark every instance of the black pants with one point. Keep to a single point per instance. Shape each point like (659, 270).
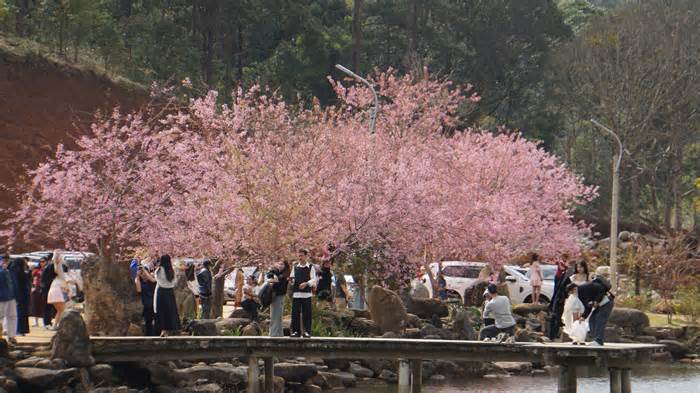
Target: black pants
(301, 306)
(251, 307)
(149, 320)
(205, 301)
(491, 331)
(49, 309)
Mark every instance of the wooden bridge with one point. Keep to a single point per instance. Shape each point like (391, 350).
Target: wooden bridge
(617, 358)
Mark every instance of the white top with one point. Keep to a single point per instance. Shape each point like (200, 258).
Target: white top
(572, 306)
(162, 280)
(312, 282)
(499, 309)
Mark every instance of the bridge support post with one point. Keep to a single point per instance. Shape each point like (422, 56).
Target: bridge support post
(253, 375)
(404, 376)
(417, 376)
(269, 375)
(625, 380)
(567, 379)
(615, 380)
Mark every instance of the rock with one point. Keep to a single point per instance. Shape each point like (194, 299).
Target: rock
(203, 388)
(349, 379)
(412, 333)
(72, 341)
(309, 389)
(337, 364)
(202, 327)
(228, 325)
(52, 364)
(293, 372)
(135, 330)
(646, 339)
(631, 320)
(677, 349)
(526, 336)
(364, 327)
(413, 321)
(445, 367)
(29, 362)
(111, 304)
(240, 313)
(160, 374)
(251, 329)
(361, 313)
(377, 365)
(437, 377)
(120, 389)
(38, 379)
(221, 373)
(429, 369)
(525, 309)
(389, 376)
(429, 330)
(613, 333)
(390, 335)
(462, 326)
(426, 308)
(101, 374)
(624, 236)
(360, 371)
(664, 356)
(518, 368)
(387, 309)
(4, 348)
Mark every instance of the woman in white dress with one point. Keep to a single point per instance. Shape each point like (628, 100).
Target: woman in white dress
(580, 275)
(58, 292)
(573, 309)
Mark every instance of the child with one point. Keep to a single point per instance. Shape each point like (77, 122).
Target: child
(573, 309)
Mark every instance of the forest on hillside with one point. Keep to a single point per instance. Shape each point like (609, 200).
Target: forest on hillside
(544, 67)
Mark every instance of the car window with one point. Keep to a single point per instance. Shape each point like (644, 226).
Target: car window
(72, 263)
(461, 271)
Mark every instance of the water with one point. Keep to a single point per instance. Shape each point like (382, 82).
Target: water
(655, 379)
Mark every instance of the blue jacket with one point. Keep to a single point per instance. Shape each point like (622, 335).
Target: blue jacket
(7, 285)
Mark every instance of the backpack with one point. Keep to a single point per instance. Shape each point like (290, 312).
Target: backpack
(267, 292)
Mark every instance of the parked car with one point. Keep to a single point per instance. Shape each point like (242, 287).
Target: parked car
(519, 287)
(460, 277)
(230, 281)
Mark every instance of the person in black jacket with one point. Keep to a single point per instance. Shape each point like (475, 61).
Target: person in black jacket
(204, 278)
(324, 289)
(278, 276)
(599, 302)
(47, 276)
(303, 280)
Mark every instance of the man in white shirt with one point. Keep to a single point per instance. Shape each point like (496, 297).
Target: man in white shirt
(303, 280)
(498, 308)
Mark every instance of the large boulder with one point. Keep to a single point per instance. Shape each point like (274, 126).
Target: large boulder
(463, 326)
(387, 309)
(72, 341)
(677, 349)
(426, 308)
(420, 291)
(360, 371)
(364, 327)
(40, 379)
(525, 309)
(295, 372)
(202, 327)
(631, 320)
(221, 373)
(228, 325)
(111, 302)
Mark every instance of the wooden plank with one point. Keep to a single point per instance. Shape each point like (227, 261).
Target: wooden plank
(615, 382)
(269, 375)
(625, 380)
(253, 375)
(567, 379)
(416, 376)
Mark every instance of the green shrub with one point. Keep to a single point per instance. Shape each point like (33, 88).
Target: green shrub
(687, 302)
(640, 302)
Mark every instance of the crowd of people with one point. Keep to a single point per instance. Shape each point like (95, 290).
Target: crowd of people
(40, 292)
(309, 275)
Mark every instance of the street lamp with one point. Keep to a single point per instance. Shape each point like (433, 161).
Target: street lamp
(615, 205)
(373, 115)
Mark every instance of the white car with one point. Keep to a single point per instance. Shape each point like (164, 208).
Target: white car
(230, 281)
(460, 277)
(519, 287)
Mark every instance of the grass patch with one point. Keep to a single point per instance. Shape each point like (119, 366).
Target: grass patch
(661, 320)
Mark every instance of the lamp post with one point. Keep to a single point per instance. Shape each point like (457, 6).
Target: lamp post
(373, 115)
(615, 205)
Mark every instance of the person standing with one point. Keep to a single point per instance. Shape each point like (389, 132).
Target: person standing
(146, 286)
(581, 275)
(303, 280)
(441, 285)
(342, 293)
(278, 277)
(204, 278)
(8, 305)
(36, 304)
(58, 292)
(599, 302)
(48, 274)
(22, 280)
(498, 307)
(562, 267)
(535, 278)
(164, 304)
(573, 309)
(324, 289)
(249, 302)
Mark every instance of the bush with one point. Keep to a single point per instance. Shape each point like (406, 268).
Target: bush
(640, 302)
(687, 302)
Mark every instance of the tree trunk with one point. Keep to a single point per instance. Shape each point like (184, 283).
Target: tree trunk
(356, 34)
(21, 17)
